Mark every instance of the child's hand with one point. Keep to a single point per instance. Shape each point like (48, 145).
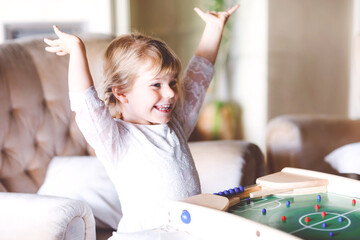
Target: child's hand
(216, 18)
(65, 44)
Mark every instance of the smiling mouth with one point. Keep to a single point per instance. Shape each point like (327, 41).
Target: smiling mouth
(166, 108)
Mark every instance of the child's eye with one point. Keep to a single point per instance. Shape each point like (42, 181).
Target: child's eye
(156, 85)
(173, 84)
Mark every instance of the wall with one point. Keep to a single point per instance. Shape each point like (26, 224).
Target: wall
(173, 21)
(309, 57)
(354, 96)
(292, 57)
(249, 64)
(95, 14)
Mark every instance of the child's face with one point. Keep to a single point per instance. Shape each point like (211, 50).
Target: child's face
(151, 99)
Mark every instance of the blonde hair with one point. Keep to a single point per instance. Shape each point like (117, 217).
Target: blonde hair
(124, 57)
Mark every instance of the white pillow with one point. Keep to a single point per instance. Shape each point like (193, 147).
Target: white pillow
(345, 159)
(84, 178)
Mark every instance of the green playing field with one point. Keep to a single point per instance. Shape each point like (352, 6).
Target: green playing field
(318, 227)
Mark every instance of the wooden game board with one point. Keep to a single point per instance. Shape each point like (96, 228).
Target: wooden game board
(236, 216)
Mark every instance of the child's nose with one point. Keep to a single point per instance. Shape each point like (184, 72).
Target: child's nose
(168, 92)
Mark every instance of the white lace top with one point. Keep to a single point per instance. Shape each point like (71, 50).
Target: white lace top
(148, 164)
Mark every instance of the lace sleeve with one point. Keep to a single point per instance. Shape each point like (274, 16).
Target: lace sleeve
(97, 125)
(196, 80)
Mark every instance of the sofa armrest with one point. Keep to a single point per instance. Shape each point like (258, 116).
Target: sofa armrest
(32, 216)
(303, 141)
(225, 164)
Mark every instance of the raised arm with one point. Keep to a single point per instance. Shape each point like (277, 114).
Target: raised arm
(79, 73)
(199, 72)
(211, 37)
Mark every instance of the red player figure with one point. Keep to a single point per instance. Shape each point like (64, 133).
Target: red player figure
(317, 207)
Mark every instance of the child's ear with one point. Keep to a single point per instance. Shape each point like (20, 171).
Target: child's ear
(119, 95)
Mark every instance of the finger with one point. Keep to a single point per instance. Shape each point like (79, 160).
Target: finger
(61, 53)
(199, 12)
(57, 31)
(52, 42)
(47, 41)
(232, 9)
(53, 49)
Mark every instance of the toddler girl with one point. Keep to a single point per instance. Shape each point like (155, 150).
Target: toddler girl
(140, 130)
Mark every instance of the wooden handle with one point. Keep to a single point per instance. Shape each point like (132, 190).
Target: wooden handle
(235, 199)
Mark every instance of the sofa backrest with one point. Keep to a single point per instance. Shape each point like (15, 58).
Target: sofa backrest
(36, 123)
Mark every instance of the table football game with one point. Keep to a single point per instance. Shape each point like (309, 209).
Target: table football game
(291, 204)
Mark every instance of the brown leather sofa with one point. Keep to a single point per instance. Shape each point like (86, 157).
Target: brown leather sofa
(303, 141)
(37, 127)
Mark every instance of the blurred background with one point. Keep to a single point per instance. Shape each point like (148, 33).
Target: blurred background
(278, 56)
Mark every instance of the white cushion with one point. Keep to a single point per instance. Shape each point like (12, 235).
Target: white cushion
(84, 178)
(345, 159)
(219, 164)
